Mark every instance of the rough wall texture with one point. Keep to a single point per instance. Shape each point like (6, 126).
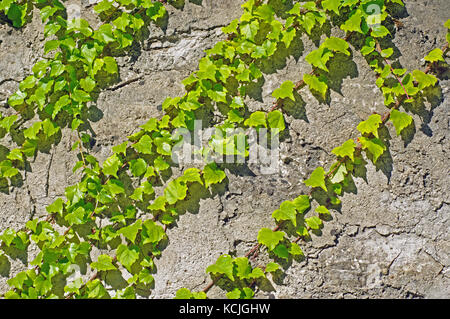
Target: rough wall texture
(391, 237)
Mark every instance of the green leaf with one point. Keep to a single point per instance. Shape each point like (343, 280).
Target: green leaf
(331, 5)
(374, 145)
(175, 191)
(121, 148)
(130, 232)
(191, 175)
(380, 31)
(370, 126)
(435, 55)
(286, 90)
(302, 203)
(102, 6)
(386, 53)
(275, 120)
(400, 120)
(103, 263)
(158, 204)
(346, 149)
(316, 83)
(138, 167)
(425, 80)
(144, 146)
(7, 122)
(353, 24)
(288, 36)
(339, 174)
(314, 222)
(56, 207)
(212, 174)
(127, 256)
(317, 179)
(272, 267)
(295, 250)
(270, 238)
(249, 30)
(152, 233)
(243, 267)
(319, 58)
(183, 293)
(322, 210)
(160, 165)
(223, 265)
(111, 165)
(337, 45)
(281, 251)
(286, 211)
(256, 119)
(146, 277)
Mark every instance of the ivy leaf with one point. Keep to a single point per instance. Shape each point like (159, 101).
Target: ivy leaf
(144, 146)
(138, 167)
(316, 83)
(380, 31)
(346, 149)
(281, 251)
(175, 191)
(353, 23)
(111, 165)
(183, 293)
(212, 174)
(400, 120)
(56, 207)
(314, 222)
(286, 211)
(425, 80)
(286, 90)
(103, 263)
(272, 267)
(435, 55)
(243, 267)
(191, 175)
(319, 58)
(223, 265)
(317, 179)
(130, 232)
(127, 256)
(322, 210)
(331, 5)
(374, 145)
(295, 250)
(152, 233)
(339, 174)
(256, 119)
(270, 238)
(249, 30)
(370, 126)
(302, 203)
(276, 120)
(337, 45)
(146, 277)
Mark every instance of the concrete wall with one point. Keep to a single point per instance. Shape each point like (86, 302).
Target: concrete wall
(389, 240)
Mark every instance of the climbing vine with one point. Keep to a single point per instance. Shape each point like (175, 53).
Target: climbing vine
(80, 61)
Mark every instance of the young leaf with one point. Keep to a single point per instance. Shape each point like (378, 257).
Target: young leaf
(317, 179)
(370, 126)
(270, 238)
(223, 265)
(286, 211)
(400, 120)
(103, 263)
(286, 90)
(346, 149)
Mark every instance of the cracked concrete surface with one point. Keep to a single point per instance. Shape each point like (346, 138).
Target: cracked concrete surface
(390, 238)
